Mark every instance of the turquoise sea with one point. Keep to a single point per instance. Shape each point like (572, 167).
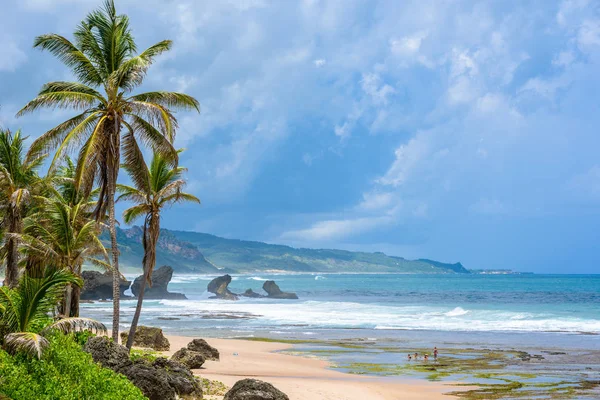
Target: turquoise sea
(533, 310)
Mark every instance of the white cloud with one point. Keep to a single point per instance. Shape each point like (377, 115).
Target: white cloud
(379, 92)
(337, 229)
(408, 157)
(376, 201)
(320, 62)
(408, 45)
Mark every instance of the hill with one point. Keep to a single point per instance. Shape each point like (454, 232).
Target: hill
(190, 252)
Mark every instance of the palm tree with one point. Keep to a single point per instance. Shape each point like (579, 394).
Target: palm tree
(63, 234)
(105, 61)
(158, 186)
(18, 178)
(24, 310)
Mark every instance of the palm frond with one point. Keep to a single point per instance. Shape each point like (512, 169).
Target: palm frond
(60, 100)
(70, 325)
(26, 342)
(169, 100)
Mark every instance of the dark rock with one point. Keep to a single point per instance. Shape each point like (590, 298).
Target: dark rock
(148, 337)
(202, 347)
(153, 382)
(162, 380)
(108, 353)
(189, 358)
(275, 293)
(252, 293)
(97, 286)
(218, 286)
(180, 378)
(253, 389)
(160, 280)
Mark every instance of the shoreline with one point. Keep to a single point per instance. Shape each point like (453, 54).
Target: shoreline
(302, 378)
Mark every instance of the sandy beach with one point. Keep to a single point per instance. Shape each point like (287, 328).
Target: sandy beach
(302, 378)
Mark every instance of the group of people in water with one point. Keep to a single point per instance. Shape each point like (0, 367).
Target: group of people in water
(425, 356)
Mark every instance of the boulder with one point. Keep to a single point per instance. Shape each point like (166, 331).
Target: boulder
(275, 293)
(202, 347)
(253, 389)
(218, 286)
(189, 358)
(251, 293)
(161, 380)
(148, 337)
(98, 286)
(160, 280)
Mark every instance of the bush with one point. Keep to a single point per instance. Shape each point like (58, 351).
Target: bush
(65, 372)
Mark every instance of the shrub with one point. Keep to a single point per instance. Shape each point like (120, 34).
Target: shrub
(65, 372)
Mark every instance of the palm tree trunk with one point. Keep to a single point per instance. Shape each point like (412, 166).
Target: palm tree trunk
(12, 255)
(68, 294)
(75, 301)
(115, 260)
(150, 239)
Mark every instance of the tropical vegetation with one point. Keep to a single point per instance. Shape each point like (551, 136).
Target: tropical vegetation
(50, 224)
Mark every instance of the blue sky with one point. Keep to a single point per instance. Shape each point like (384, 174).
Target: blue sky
(454, 130)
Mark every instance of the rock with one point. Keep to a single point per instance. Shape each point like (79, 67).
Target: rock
(180, 378)
(275, 293)
(162, 380)
(148, 337)
(97, 286)
(218, 286)
(253, 389)
(160, 280)
(108, 353)
(251, 293)
(202, 347)
(153, 382)
(189, 358)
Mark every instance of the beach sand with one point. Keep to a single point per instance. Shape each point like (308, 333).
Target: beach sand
(302, 378)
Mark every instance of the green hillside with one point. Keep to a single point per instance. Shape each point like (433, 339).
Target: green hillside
(200, 252)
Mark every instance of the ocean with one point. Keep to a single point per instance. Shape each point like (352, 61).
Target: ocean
(546, 310)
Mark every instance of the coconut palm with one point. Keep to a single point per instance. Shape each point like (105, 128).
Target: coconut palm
(18, 177)
(25, 309)
(64, 235)
(111, 119)
(156, 187)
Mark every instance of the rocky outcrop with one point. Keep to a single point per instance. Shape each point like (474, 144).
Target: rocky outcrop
(189, 358)
(219, 286)
(252, 294)
(148, 337)
(275, 293)
(202, 347)
(160, 280)
(162, 379)
(98, 286)
(253, 389)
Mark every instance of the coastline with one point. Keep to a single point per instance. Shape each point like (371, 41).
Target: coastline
(302, 378)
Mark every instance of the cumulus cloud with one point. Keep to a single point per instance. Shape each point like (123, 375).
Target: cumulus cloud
(11, 55)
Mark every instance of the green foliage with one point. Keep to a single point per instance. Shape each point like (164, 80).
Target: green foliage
(143, 354)
(65, 372)
(212, 388)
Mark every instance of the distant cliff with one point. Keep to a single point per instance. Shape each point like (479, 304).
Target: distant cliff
(201, 252)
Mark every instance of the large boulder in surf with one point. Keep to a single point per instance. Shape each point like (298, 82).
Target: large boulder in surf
(202, 347)
(219, 286)
(162, 379)
(148, 337)
(275, 293)
(160, 280)
(252, 294)
(253, 389)
(98, 286)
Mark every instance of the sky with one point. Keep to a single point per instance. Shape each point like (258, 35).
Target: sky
(445, 129)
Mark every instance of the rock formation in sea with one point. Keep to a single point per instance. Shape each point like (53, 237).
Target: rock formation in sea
(219, 286)
(148, 337)
(160, 281)
(275, 293)
(251, 293)
(253, 389)
(162, 379)
(98, 286)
